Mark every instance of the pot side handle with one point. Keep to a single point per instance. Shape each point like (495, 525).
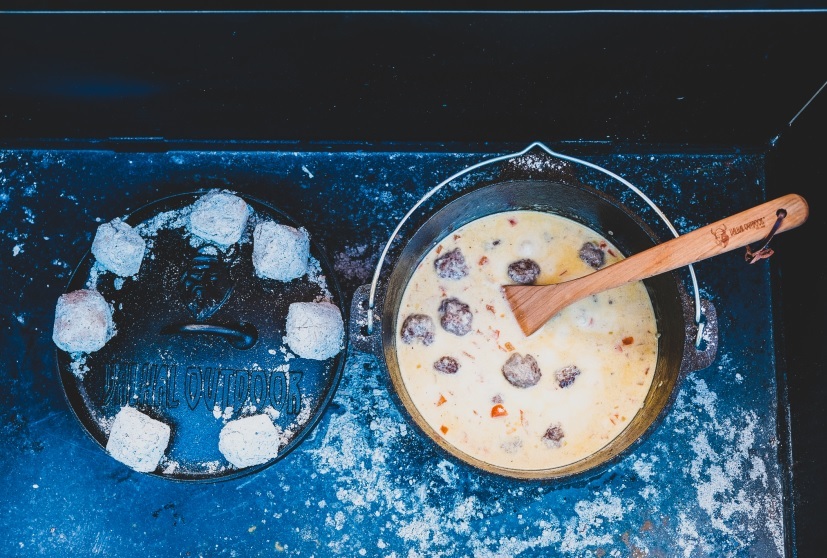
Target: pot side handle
(360, 339)
(697, 356)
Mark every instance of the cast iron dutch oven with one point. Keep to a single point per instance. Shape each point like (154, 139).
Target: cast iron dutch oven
(674, 309)
(200, 342)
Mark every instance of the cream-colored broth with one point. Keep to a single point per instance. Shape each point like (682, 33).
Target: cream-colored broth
(611, 338)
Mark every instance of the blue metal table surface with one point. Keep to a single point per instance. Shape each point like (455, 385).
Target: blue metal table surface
(710, 481)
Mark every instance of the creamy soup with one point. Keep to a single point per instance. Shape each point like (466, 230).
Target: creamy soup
(513, 401)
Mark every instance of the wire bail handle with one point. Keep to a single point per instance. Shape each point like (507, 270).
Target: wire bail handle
(699, 321)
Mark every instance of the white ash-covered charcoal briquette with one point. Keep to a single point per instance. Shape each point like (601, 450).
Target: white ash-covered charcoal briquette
(249, 441)
(280, 252)
(119, 248)
(219, 217)
(137, 440)
(314, 329)
(83, 322)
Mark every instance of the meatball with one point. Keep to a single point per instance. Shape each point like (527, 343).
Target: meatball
(418, 326)
(554, 436)
(455, 316)
(524, 272)
(521, 371)
(446, 365)
(592, 254)
(451, 265)
(566, 375)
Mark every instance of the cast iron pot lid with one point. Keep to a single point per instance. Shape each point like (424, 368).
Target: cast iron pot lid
(201, 342)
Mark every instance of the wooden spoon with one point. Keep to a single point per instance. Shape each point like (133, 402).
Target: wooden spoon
(534, 305)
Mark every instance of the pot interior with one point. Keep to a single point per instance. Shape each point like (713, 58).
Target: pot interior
(583, 205)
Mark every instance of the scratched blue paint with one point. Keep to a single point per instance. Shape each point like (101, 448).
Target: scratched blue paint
(708, 482)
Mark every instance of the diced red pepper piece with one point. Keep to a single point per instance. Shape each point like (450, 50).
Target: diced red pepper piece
(483, 260)
(628, 340)
(498, 411)
(441, 400)
(444, 429)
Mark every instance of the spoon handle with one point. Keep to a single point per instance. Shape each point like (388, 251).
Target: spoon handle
(705, 242)
(535, 305)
